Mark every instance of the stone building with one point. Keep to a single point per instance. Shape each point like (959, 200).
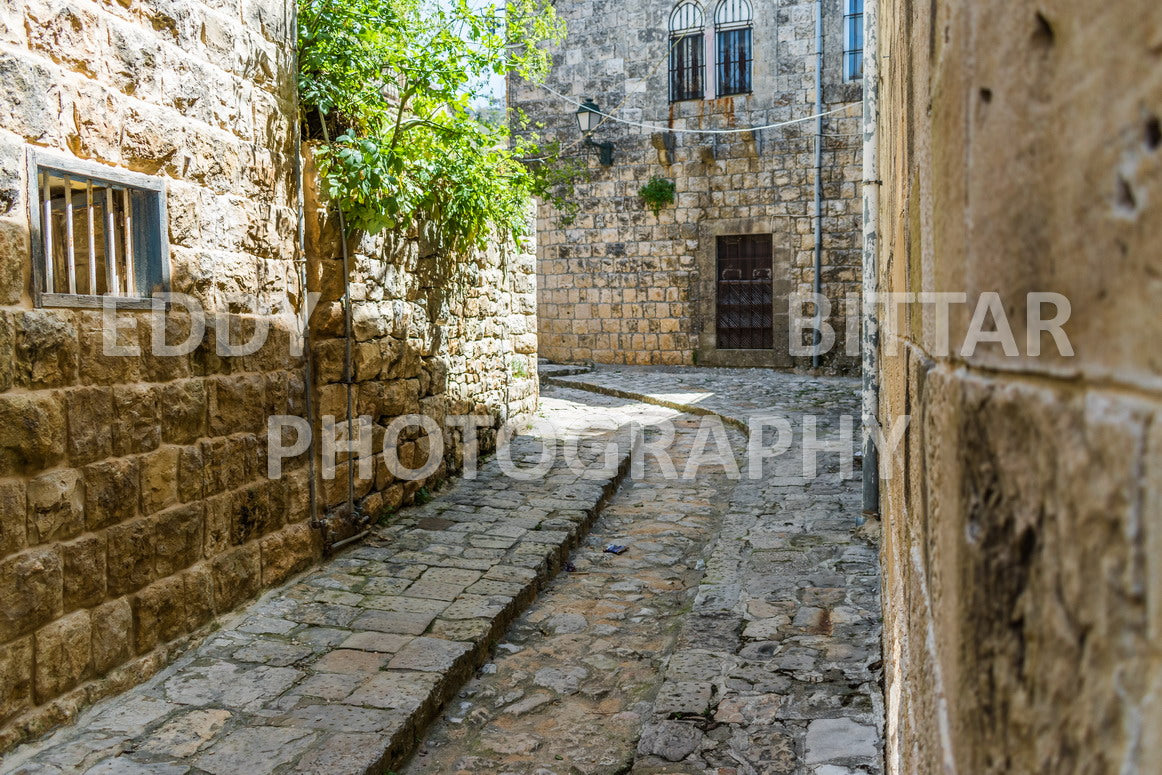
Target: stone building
(710, 278)
(135, 500)
(1021, 152)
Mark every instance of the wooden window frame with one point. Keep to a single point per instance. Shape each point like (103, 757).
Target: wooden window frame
(148, 230)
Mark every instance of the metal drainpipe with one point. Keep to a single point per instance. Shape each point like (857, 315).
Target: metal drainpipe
(869, 347)
(818, 280)
(301, 261)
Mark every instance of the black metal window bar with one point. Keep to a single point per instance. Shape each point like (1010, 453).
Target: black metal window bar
(95, 237)
(733, 46)
(745, 304)
(734, 62)
(687, 52)
(853, 40)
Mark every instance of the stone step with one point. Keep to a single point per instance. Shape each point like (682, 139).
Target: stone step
(340, 670)
(549, 370)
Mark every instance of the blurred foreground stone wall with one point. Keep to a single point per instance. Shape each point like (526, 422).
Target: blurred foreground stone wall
(1022, 557)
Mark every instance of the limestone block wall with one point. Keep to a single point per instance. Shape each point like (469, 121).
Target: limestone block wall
(618, 284)
(433, 334)
(134, 499)
(1022, 555)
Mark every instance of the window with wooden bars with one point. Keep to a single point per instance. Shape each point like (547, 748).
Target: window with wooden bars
(687, 52)
(745, 293)
(97, 232)
(733, 46)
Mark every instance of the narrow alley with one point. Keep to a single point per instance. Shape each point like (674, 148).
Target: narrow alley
(737, 632)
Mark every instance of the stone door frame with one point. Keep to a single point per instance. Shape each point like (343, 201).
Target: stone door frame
(706, 352)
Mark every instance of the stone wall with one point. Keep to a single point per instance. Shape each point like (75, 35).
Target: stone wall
(1021, 152)
(134, 499)
(621, 285)
(432, 334)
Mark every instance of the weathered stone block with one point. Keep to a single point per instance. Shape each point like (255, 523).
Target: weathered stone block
(32, 431)
(183, 411)
(228, 463)
(189, 473)
(179, 538)
(132, 555)
(31, 591)
(13, 507)
(159, 479)
(63, 655)
(15, 677)
(136, 425)
(112, 635)
(100, 367)
(84, 571)
(13, 267)
(90, 424)
(252, 514)
(7, 352)
(219, 524)
(199, 595)
(235, 404)
(46, 348)
(159, 613)
(111, 492)
(173, 328)
(55, 506)
(290, 550)
(23, 101)
(237, 576)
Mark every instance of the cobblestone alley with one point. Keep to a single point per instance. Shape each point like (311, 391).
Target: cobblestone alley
(737, 633)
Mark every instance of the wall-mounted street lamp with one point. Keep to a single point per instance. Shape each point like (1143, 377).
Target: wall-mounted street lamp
(588, 117)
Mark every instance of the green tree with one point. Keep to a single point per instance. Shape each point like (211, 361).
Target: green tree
(391, 84)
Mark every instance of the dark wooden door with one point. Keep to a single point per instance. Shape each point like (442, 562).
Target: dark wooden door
(745, 293)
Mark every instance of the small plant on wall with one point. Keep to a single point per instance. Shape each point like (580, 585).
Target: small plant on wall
(658, 193)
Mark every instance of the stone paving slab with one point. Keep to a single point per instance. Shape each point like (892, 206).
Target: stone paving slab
(339, 671)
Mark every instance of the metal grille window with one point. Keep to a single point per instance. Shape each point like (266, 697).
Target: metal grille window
(735, 54)
(687, 52)
(853, 40)
(97, 232)
(744, 318)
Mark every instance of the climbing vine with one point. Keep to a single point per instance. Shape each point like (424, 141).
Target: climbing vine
(392, 89)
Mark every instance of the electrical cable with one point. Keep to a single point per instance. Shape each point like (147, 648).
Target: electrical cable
(661, 128)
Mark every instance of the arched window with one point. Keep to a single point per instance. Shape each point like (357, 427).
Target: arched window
(687, 51)
(732, 25)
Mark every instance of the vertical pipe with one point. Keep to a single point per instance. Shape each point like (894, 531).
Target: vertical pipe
(301, 258)
(111, 277)
(869, 346)
(348, 376)
(818, 280)
(92, 262)
(70, 241)
(127, 222)
(49, 278)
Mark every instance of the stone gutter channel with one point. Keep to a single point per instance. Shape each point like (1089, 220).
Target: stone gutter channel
(341, 670)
